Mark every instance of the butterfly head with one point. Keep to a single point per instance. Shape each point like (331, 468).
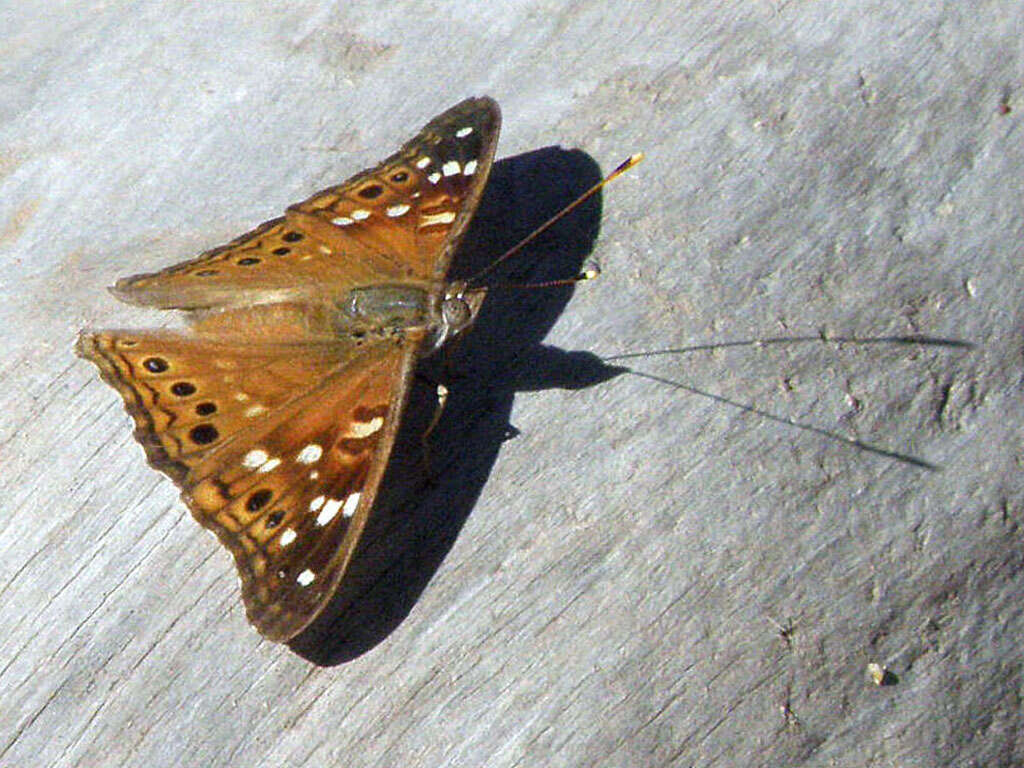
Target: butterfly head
(459, 307)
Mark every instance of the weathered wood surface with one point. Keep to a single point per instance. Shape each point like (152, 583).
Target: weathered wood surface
(637, 573)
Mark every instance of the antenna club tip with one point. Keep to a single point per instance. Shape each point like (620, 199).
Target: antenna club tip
(636, 158)
(590, 272)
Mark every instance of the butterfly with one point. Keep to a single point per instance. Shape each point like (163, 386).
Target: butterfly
(276, 410)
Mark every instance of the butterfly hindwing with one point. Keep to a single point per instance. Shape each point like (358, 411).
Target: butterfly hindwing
(279, 454)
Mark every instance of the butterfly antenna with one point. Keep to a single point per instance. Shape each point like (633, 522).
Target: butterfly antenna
(586, 274)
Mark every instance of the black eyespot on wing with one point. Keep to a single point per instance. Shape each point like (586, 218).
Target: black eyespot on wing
(259, 499)
(183, 388)
(204, 434)
(155, 364)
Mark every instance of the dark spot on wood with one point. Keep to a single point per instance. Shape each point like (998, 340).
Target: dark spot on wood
(206, 272)
(259, 499)
(399, 177)
(368, 193)
(204, 434)
(205, 409)
(274, 519)
(282, 251)
(155, 364)
(247, 261)
(183, 388)
(292, 237)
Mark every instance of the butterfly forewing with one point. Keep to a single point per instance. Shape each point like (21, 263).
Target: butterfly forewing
(418, 201)
(399, 221)
(277, 411)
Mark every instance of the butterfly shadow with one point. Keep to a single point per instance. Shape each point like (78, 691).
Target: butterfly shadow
(418, 514)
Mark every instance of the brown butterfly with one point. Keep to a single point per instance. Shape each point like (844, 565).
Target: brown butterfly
(276, 411)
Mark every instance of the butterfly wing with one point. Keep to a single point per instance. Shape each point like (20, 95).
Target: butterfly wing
(275, 414)
(278, 449)
(397, 223)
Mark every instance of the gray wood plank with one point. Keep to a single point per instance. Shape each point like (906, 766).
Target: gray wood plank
(693, 569)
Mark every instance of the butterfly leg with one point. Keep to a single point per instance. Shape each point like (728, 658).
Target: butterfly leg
(442, 400)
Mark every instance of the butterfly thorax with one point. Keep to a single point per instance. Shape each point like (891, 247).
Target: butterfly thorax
(443, 315)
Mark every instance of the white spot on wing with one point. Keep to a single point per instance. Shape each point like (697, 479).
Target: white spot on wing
(451, 168)
(316, 503)
(423, 162)
(310, 454)
(464, 132)
(254, 459)
(342, 221)
(306, 578)
(397, 210)
(434, 177)
(469, 168)
(438, 218)
(328, 512)
(360, 214)
(288, 537)
(271, 465)
(365, 428)
(255, 410)
(351, 503)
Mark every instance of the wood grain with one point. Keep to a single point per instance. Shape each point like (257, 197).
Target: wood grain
(614, 570)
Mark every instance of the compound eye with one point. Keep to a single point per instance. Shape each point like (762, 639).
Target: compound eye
(456, 313)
